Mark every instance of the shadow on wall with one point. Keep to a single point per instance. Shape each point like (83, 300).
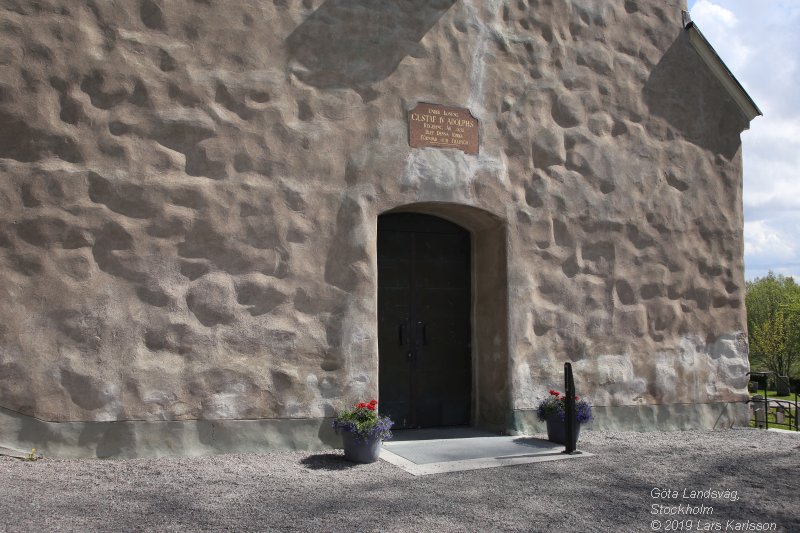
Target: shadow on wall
(355, 43)
(682, 90)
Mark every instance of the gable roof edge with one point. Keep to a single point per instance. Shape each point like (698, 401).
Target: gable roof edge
(720, 70)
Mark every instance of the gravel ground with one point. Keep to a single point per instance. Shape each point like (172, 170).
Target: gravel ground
(612, 491)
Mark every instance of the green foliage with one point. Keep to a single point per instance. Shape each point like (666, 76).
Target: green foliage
(793, 304)
(32, 456)
(769, 337)
(773, 324)
(364, 422)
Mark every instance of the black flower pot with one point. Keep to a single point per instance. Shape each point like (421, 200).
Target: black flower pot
(557, 429)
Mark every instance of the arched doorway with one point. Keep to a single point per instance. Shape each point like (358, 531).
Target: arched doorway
(424, 313)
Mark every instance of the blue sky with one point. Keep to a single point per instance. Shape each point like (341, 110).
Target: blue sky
(760, 43)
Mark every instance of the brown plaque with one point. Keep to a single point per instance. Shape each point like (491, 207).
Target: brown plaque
(442, 127)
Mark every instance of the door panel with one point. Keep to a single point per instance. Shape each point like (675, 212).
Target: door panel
(394, 293)
(423, 315)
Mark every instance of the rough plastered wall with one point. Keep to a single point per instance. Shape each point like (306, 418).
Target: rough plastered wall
(629, 257)
(189, 193)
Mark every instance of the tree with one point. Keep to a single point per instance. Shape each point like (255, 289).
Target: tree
(768, 340)
(773, 323)
(794, 304)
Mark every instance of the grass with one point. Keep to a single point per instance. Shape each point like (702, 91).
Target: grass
(773, 395)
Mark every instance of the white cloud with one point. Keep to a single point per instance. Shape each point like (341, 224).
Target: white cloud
(761, 239)
(770, 249)
(711, 12)
(721, 25)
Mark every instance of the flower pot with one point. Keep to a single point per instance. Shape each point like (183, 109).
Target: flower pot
(360, 451)
(557, 429)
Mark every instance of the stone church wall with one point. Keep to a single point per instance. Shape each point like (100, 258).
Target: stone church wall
(189, 193)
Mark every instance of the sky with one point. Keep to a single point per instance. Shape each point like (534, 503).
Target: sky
(760, 43)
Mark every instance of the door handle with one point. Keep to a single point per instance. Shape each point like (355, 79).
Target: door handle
(400, 334)
(422, 333)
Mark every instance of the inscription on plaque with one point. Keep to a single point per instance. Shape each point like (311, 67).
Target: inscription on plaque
(438, 126)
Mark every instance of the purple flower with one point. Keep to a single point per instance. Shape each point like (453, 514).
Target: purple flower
(364, 422)
(555, 403)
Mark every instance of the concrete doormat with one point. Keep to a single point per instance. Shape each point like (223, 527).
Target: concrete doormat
(435, 451)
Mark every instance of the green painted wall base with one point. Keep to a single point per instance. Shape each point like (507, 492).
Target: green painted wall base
(670, 417)
(128, 439)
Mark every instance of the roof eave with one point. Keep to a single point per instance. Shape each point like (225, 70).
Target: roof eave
(722, 72)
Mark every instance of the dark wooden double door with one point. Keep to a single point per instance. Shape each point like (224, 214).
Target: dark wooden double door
(424, 321)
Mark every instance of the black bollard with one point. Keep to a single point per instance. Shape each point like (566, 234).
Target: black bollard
(569, 410)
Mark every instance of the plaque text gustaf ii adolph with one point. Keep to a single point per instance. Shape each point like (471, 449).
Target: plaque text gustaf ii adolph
(438, 126)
